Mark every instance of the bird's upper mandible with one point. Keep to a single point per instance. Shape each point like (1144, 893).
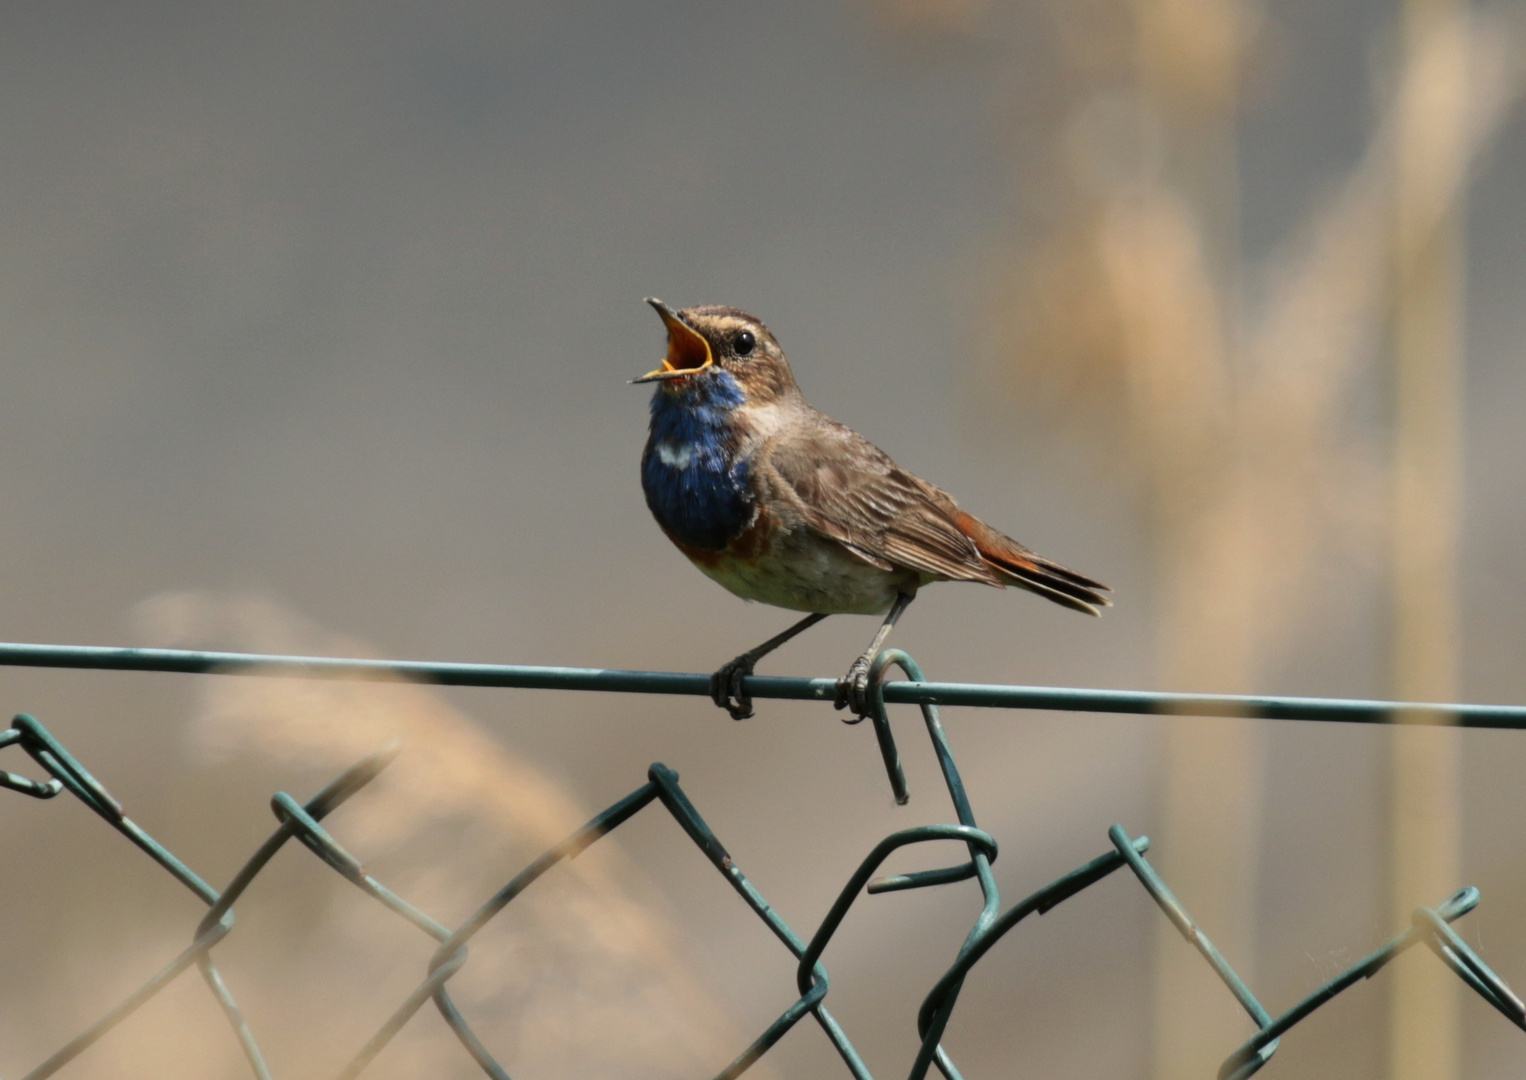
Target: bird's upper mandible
(709, 342)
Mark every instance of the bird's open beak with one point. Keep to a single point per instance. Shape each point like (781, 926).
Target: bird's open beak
(688, 352)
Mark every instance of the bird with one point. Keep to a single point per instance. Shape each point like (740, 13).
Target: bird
(781, 504)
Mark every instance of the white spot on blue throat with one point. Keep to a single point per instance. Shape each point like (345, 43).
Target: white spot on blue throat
(675, 455)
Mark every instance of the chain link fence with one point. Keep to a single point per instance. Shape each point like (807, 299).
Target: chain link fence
(304, 822)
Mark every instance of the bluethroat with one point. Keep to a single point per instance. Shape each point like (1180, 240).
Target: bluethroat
(780, 503)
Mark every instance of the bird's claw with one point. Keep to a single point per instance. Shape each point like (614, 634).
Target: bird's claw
(726, 687)
(853, 691)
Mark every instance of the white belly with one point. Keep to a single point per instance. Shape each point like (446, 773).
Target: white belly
(804, 572)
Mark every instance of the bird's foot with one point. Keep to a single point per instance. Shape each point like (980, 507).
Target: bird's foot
(726, 687)
(853, 691)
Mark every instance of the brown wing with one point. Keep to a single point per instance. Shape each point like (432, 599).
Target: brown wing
(846, 488)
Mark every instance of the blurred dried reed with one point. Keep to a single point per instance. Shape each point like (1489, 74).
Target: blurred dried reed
(579, 978)
(1232, 416)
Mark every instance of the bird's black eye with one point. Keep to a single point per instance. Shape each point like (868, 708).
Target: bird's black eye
(744, 343)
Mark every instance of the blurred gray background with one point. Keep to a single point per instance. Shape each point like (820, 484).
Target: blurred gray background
(335, 307)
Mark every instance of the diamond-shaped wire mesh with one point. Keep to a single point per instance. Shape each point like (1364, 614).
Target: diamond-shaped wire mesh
(304, 823)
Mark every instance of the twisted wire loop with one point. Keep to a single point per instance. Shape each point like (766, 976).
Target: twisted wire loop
(1430, 926)
(304, 823)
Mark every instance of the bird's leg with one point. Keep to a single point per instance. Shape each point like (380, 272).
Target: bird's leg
(726, 684)
(853, 688)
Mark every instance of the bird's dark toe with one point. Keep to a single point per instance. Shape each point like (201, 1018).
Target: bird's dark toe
(853, 691)
(726, 688)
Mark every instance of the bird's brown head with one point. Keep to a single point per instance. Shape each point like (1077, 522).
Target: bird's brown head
(710, 341)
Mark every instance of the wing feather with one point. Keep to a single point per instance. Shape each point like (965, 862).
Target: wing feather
(847, 489)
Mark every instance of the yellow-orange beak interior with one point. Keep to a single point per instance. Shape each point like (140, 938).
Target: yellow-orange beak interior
(688, 352)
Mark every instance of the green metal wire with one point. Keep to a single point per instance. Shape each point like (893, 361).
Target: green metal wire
(304, 823)
(1140, 702)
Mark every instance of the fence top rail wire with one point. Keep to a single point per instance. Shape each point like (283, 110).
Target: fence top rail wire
(1069, 699)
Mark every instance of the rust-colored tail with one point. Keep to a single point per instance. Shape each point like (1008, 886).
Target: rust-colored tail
(1018, 566)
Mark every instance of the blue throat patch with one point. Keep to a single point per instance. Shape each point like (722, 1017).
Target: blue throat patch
(693, 487)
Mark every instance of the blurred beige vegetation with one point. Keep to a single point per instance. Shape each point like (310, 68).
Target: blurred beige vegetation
(1230, 413)
(577, 977)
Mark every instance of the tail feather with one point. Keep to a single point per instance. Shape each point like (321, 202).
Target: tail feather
(1028, 570)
